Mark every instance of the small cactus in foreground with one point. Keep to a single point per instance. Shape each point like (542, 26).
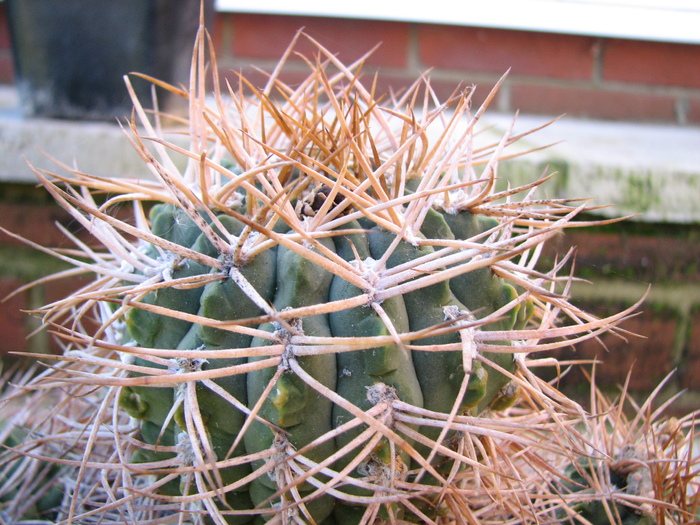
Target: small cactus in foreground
(640, 468)
(320, 319)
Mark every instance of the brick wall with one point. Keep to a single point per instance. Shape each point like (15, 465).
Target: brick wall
(6, 75)
(550, 74)
(29, 212)
(622, 263)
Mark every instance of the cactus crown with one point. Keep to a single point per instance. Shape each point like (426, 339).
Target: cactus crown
(320, 318)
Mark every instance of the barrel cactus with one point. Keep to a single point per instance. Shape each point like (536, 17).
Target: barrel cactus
(317, 312)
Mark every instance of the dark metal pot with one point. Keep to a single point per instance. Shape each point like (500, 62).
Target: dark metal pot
(70, 56)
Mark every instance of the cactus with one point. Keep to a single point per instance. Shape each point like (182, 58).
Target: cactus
(320, 318)
(636, 458)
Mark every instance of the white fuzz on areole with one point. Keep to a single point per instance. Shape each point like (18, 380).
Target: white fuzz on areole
(351, 384)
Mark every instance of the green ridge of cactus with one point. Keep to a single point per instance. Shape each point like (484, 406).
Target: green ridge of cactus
(325, 317)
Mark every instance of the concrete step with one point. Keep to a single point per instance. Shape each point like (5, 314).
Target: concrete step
(99, 148)
(652, 170)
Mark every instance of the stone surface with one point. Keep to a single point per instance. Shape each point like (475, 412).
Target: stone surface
(651, 171)
(97, 148)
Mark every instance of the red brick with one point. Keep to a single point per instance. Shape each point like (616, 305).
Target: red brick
(445, 89)
(647, 359)
(386, 82)
(6, 65)
(220, 33)
(690, 370)
(257, 77)
(62, 288)
(267, 37)
(652, 63)
(645, 258)
(12, 319)
(16, 324)
(7, 74)
(495, 50)
(36, 222)
(4, 28)
(591, 102)
(693, 115)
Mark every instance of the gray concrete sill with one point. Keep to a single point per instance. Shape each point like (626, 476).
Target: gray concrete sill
(98, 148)
(645, 169)
(652, 170)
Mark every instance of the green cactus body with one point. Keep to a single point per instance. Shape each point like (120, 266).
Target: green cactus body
(297, 414)
(358, 371)
(439, 373)
(301, 413)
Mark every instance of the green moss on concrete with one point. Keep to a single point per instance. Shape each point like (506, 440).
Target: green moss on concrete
(516, 173)
(640, 191)
(19, 193)
(26, 264)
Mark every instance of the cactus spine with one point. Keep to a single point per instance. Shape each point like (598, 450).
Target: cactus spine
(319, 319)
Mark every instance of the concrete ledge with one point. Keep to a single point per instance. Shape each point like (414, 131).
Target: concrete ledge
(651, 170)
(644, 169)
(92, 147)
